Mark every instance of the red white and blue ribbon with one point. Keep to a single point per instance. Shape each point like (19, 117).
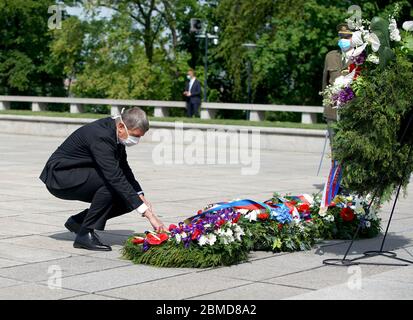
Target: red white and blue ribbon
(332, 185)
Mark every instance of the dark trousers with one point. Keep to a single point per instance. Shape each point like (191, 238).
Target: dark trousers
(192, 109)
(104, 202)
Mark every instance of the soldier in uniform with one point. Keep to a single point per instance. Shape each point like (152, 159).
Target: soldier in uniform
(336, 64)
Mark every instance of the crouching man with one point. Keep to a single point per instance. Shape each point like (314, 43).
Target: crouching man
(91, 166)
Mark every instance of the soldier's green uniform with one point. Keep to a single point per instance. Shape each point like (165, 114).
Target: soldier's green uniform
(335, 65)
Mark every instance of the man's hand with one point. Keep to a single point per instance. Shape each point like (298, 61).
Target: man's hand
(157, 224)
(146, 202)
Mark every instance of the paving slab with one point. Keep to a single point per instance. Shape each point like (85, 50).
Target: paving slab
(385, 286)
(75, 265)
(34, 292)
(91, 297)
(124, 276)
(4, 282)
(327, 276)
(4, 263)
(254, 291)
(176, 288)
(26, 254)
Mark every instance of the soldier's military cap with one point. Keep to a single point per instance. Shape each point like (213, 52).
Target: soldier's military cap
(344, 31)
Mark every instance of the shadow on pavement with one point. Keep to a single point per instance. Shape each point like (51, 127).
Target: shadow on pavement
(110, 237)
(393, 242)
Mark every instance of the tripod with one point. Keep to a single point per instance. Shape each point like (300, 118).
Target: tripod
(381, 252)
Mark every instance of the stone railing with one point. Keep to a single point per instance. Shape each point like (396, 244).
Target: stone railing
(208, 110)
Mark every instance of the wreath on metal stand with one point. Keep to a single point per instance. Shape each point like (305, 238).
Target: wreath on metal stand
(374, 135)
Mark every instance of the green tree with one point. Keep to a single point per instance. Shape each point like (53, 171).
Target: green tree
(108, 60)
(25, 51)
(293, 37)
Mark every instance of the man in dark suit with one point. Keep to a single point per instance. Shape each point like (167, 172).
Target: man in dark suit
(91, 166)
(192, 94)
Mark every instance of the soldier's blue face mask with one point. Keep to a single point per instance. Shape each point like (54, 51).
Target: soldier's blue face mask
(344, 44)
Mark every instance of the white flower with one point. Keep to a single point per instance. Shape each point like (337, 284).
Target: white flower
(219, 232)
(329, 218)
(373, 58)
(344, 81)
(184, 235)
(178, 238)
(368, 224)
(357, 51)
(212, 238)
(394, 32)
(408, 26)
(357, 39)
(360, 210)
(373, 40)
(228, 240)
(203, 240)
(242, 211)
(229, 233)
(252, 216)
(238, 232)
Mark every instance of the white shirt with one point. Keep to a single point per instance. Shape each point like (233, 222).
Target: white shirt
(191, 83)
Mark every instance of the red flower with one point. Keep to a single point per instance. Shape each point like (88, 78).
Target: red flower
(332, 204)
(138, 240)
(172, 227)
(358, 70)
(196, 234)
(236, 219)
(280, 226)
(156, 239)
(304, 207)
(263, 216)
(347, 214)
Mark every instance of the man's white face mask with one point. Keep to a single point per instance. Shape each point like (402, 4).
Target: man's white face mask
(130, 141)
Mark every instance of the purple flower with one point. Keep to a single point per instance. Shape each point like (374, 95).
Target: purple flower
(146, 246)
(360, 59)
(345, 95)
(202, 225)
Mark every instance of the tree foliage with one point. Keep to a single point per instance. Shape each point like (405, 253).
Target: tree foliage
(24, 49)
(369, 141)
(144, 48)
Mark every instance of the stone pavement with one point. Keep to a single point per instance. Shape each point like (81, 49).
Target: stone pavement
(34, 245)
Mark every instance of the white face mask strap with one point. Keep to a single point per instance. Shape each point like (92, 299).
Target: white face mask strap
(119, 115)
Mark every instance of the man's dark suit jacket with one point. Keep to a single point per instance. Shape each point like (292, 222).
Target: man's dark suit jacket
(93, 146)
(195, 97)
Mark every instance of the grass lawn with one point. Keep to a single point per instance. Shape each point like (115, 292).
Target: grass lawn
(276, 124)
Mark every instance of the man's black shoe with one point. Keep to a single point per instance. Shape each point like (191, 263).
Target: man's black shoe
(89, 241)
(72, 225)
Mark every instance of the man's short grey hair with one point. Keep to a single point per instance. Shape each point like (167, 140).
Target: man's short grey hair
(136, 118)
